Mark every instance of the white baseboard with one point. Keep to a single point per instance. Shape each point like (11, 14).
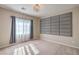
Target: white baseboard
(61, 43)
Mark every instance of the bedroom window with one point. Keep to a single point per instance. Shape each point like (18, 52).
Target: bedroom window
(22, 29)
(22, 26)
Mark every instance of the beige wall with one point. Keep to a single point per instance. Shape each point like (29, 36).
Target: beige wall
(69, 41)
(5, 25)
(36, 28)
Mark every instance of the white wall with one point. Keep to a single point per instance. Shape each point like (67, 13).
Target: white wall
(69, 41)
(5, 25)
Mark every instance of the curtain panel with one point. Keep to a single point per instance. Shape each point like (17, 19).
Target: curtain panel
(13, 30)
(31, 30)
(21, 30)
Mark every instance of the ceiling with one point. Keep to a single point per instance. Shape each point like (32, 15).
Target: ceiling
(45, 9)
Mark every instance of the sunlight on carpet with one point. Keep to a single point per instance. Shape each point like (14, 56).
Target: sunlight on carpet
(29, 49)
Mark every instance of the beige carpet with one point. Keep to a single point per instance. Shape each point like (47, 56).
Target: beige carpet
(39, 47)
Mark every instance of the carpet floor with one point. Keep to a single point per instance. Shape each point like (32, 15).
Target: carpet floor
(39, 47)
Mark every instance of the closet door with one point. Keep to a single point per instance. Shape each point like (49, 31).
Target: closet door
(66, 24)
(45, 26)
(54, 25)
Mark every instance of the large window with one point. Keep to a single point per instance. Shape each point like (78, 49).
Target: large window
(23, 29)
(22, 26)
(57, 25)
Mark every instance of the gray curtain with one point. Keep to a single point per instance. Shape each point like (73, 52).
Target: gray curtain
(31, 30)
(13, 30)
